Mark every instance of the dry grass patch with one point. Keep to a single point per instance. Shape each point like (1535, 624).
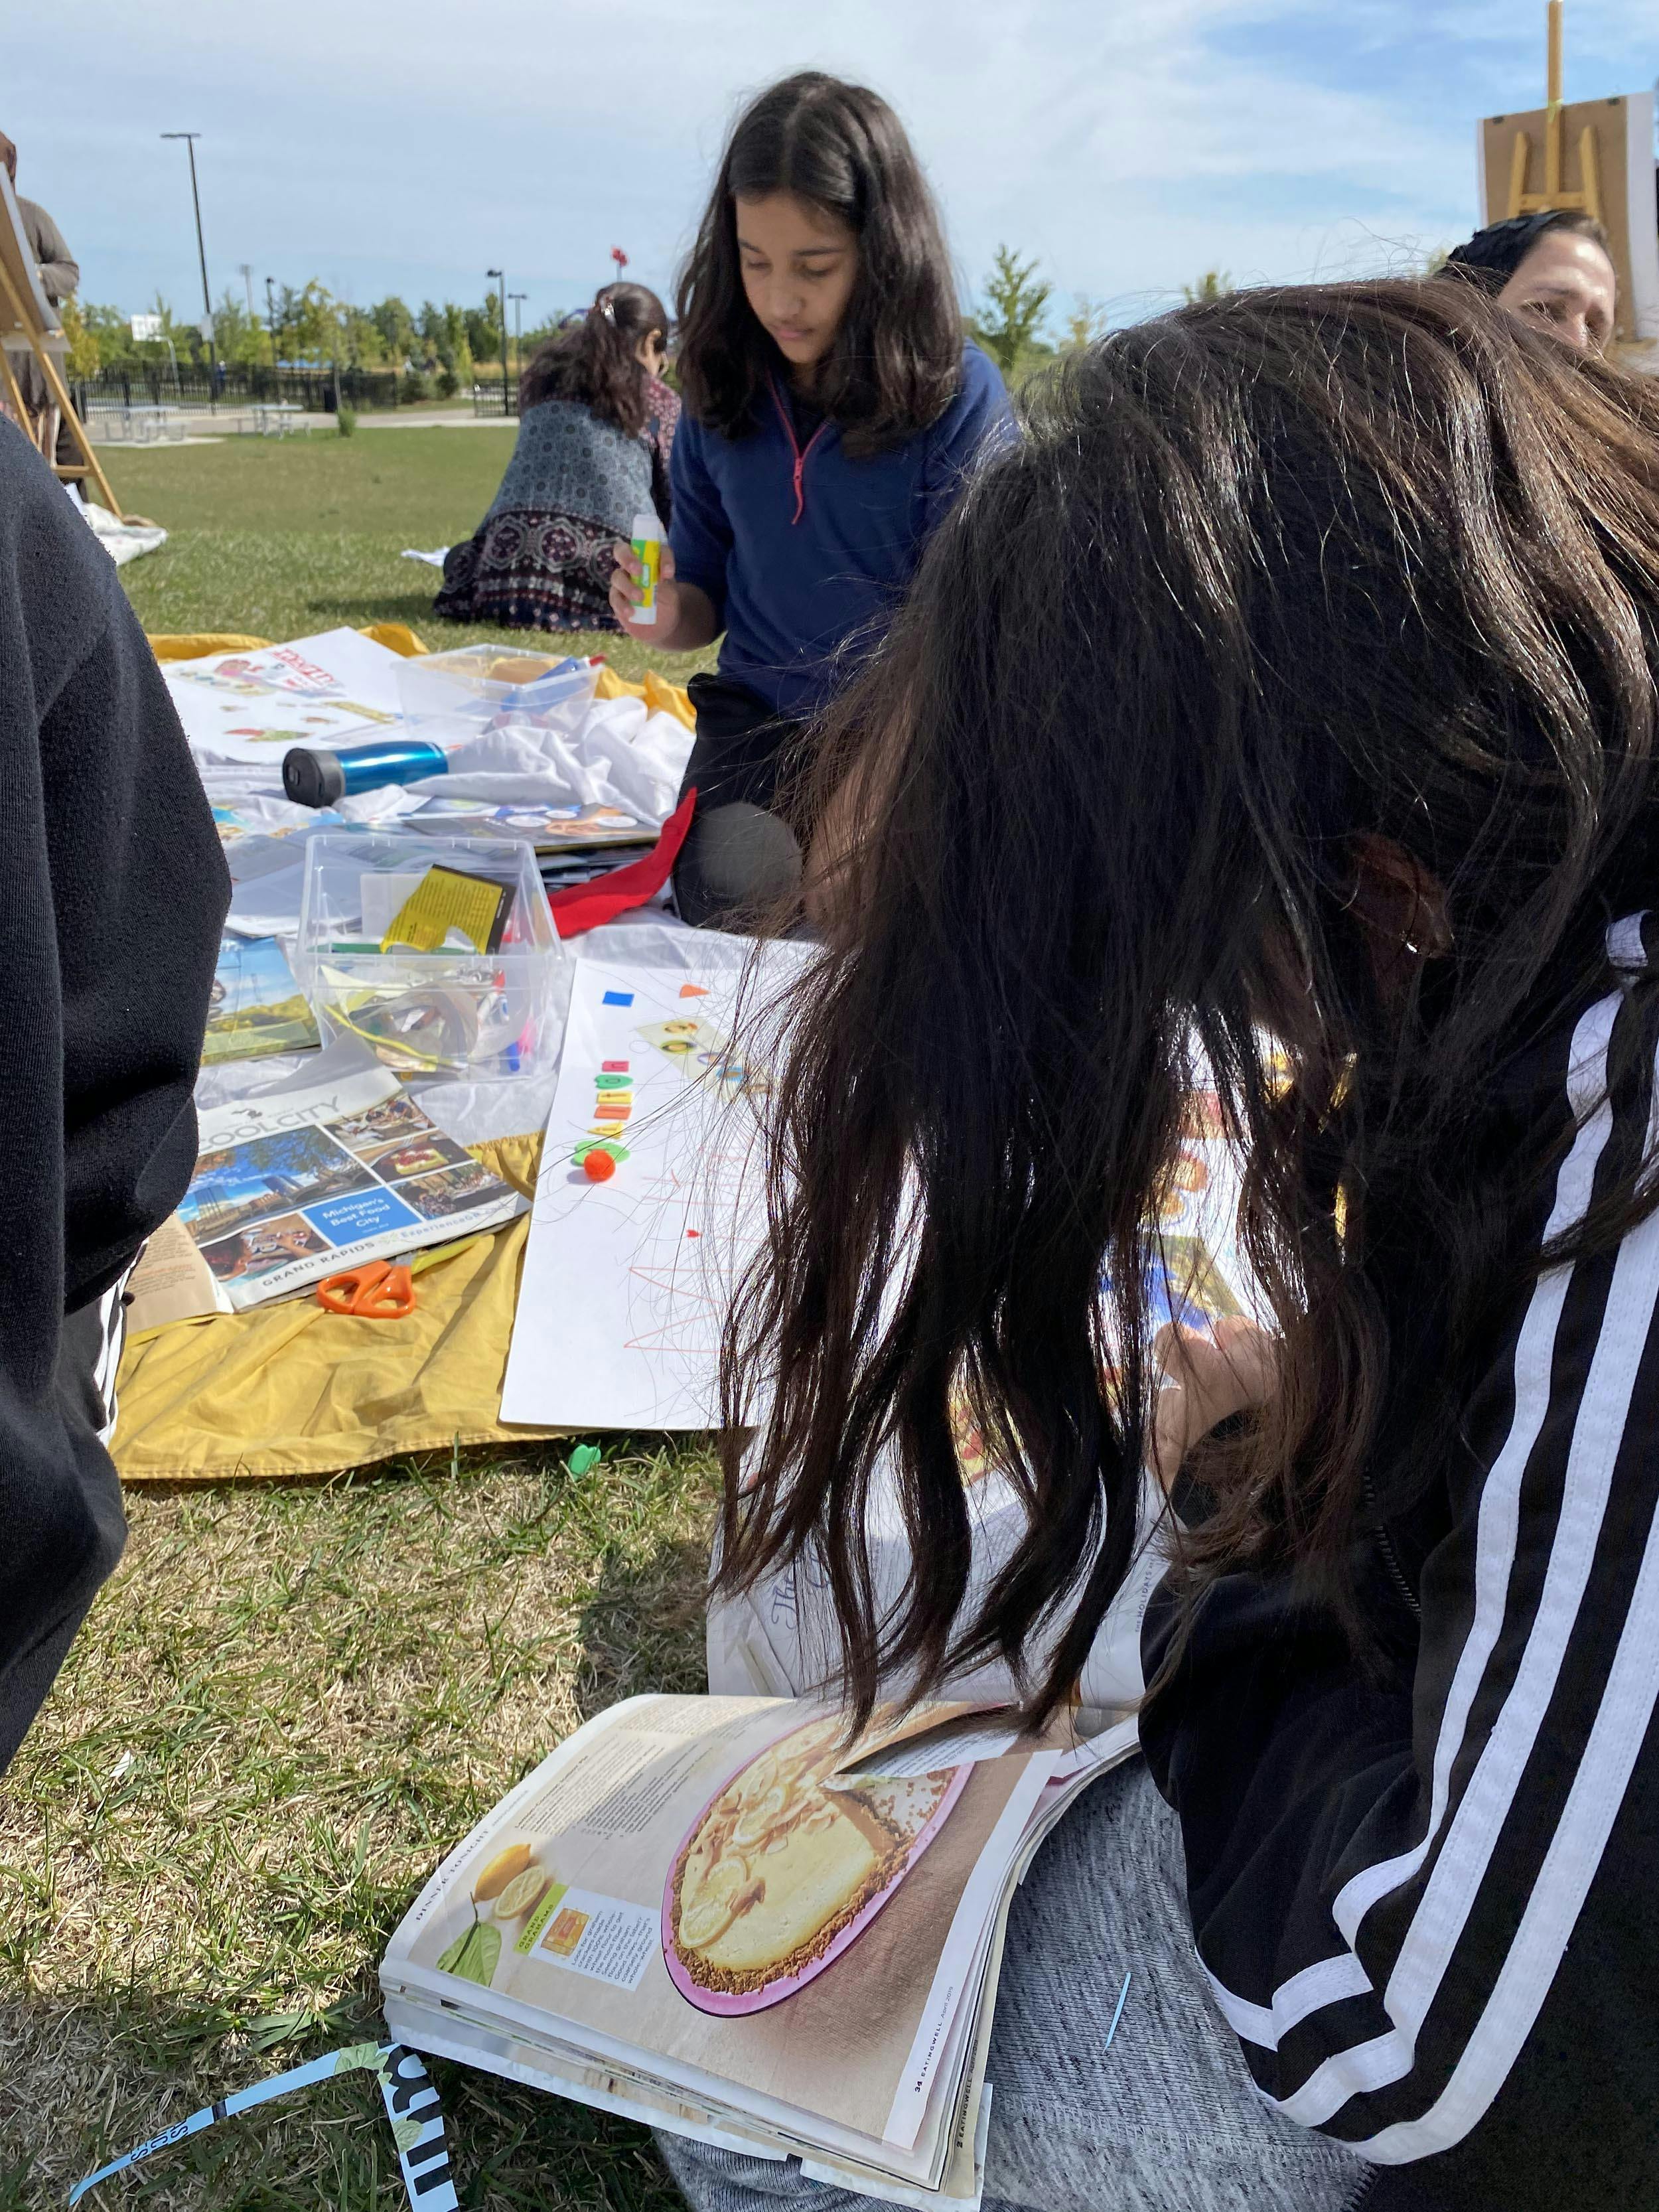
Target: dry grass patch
(288, 1705)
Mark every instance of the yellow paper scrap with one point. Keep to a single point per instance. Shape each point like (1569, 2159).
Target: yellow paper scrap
(443, 900)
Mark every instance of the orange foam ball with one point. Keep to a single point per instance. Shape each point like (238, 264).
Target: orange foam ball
(598, 1166)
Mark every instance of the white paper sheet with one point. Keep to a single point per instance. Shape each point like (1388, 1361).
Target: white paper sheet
(336, 687)
(625, 1281)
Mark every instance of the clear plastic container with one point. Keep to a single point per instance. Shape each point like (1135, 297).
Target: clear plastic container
(455, 1012)
(452, 698)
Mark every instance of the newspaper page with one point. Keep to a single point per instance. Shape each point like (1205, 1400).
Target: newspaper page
(299, 1184)
(689, 1890)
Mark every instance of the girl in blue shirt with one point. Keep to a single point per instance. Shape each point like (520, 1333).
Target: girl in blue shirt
(831, 410)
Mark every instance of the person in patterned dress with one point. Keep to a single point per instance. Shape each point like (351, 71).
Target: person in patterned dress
(596, 427)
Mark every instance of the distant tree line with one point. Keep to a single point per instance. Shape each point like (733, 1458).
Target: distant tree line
(443, 345)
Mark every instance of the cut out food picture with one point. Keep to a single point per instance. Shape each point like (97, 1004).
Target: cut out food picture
(509, 1887)
(781, 1872)
(697, 1050)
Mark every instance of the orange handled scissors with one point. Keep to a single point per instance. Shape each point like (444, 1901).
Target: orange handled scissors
(380, 1289)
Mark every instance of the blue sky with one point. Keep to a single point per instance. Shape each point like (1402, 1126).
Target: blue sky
(1129, 146)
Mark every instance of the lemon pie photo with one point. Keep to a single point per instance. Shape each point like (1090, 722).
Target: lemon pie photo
(783, 1872)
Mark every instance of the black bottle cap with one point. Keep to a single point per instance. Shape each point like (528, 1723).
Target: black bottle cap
(312, 778)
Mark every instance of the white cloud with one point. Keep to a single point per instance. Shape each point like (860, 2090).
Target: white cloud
(1129, 146)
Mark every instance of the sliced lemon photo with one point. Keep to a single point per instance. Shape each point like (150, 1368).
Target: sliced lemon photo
(757, 1818)
(705, 1923)
(504, 1868)
(524, 1890)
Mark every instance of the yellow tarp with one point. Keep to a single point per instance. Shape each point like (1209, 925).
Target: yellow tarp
(659, 695)
(289, 1390)
(196, 645)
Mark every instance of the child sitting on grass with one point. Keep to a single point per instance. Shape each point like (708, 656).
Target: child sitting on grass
(832, 407)
(1290, 695)
(596, 428)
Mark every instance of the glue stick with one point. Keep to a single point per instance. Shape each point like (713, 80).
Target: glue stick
(648, 551)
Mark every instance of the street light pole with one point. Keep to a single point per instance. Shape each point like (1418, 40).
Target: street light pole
(518, 300)
(270, 324)
(190, 138)
(501, 280)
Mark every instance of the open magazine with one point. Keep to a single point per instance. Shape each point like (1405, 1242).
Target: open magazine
(298, 1184)
(713, 1915)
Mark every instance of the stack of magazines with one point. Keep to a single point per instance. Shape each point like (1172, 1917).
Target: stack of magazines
(716, 1916)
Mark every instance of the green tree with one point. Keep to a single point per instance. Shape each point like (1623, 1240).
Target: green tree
(83, 354)
(362, 345)
(1213, 284)
(395, 326)
(1088, 322)
(316, 323)
(483, 330)
(240, 339)
(1010, 324)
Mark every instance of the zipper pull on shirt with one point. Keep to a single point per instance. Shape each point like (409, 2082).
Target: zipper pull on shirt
(796, 447)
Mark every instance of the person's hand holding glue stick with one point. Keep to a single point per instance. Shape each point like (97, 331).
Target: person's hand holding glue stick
(684, 615)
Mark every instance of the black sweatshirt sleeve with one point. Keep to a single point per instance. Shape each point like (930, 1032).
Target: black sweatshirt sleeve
(113, 890)
(1428, 1910)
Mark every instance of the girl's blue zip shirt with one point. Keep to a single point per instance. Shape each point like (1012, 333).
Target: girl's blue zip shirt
(802, 548)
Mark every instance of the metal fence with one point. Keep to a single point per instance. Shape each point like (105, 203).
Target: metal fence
(199, 390)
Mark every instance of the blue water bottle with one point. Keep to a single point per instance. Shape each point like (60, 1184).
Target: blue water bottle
(320, 779)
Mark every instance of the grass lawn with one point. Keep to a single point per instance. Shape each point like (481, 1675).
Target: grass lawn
(284, 537)
(288, 1703)
(293, 1699)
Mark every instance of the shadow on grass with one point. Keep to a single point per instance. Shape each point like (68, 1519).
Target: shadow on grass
(131, 2067)
(641, 1625)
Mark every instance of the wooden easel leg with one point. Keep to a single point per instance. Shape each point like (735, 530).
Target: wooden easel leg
(1590, 172)
(55, 386)
(14, 397)
(1520, 154)
(77, 431)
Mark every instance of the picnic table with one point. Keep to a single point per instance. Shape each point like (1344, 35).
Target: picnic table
(138, 426)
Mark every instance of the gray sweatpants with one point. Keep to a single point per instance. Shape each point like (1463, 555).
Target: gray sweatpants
(1163, 2119)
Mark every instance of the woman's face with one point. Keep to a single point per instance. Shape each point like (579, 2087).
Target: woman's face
(1567, 286)
(800, 264)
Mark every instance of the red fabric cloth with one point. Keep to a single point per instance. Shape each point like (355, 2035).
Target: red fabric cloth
(584, 906)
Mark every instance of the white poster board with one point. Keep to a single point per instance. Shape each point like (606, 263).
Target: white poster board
(625, 1281)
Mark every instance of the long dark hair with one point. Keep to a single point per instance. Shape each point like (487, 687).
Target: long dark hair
(1268, 576)
(897, 361)
(597, 363)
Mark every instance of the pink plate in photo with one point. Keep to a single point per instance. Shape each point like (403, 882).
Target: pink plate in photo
(774, 1993)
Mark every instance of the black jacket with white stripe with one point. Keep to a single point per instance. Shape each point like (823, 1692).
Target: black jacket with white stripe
(1426, 1894)
(112, 889)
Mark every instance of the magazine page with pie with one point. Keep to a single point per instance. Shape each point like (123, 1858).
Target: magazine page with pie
(715, 1913)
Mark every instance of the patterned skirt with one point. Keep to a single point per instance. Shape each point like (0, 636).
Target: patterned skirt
(525, 570)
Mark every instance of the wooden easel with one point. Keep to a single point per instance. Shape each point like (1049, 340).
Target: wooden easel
(1587, 199)
(1598, 161)
(28, 321)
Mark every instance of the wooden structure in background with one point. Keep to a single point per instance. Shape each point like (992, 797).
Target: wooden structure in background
(29, 327)
(1594, 157)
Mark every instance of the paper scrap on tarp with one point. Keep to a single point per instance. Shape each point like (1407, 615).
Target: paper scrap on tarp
(256, 1007)
(411, 2103)
(123, 538)
(288, 1390)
